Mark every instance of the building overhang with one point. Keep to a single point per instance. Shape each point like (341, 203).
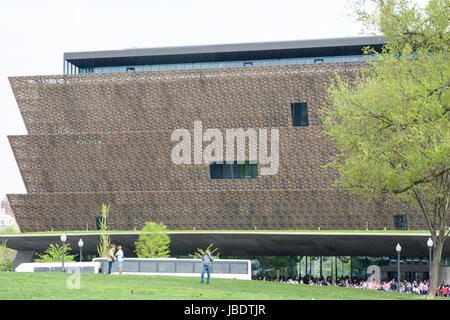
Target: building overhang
(249, 243)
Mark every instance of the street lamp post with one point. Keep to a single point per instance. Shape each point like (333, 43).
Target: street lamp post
(398, 248)
(63, 240)
(430, 261)
(80, 244)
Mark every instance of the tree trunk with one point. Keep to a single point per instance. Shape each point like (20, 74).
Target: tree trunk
(436, 263)
(321, 267)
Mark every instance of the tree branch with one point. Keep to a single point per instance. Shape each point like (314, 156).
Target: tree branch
(418, 196)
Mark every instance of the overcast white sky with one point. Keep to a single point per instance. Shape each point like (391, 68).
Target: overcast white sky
(35, 34)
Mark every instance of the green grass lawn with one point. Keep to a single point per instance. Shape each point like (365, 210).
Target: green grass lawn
(99, 286)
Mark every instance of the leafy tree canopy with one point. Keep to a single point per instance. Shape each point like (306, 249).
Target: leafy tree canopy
(390, 122)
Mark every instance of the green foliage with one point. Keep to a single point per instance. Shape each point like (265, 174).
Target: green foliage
(153, 241)
(5, 261)
(6, 265)
(391, 124)
(344, 259)
(3, 249)
(54, 254)
(404, 24)
(10, 230)
(105, 240)
(200, 252)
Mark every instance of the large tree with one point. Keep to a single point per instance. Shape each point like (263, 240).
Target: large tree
(390, 123)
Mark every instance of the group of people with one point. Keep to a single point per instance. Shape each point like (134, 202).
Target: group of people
(414, 287)
(207, 260)
(113, 256)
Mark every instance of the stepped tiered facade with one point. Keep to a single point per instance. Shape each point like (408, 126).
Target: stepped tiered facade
(106, 138)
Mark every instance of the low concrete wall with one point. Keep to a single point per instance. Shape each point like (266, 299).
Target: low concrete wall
(82, 267)
(221, 268)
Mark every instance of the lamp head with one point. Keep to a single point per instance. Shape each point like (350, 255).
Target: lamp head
(63, 237)
(398, 248)
(80, 243)
(430, 242)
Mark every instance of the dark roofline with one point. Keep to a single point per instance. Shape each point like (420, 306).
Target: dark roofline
(235, 47)
(225, 52)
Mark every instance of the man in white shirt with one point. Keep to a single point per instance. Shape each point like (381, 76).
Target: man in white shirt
(119, 256)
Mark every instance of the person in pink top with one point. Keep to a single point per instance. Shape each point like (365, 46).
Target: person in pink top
(425, 288)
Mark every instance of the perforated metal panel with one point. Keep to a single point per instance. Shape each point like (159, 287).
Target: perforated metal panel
(105, 138)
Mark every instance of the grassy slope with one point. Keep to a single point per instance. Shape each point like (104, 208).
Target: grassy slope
(98, 286)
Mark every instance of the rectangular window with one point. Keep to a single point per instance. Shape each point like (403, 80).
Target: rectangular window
(98, 221)
(130, 69)
(299, 113)
(216, 170)
(318, 60)
(228, 171)
(234, 170)
(248, 63)
(247, 170)
(400, 222)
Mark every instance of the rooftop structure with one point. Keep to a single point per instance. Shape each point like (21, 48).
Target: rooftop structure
(221, 56)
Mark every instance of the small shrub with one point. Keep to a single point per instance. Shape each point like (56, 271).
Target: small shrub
(10, 230)
(6, 261)
(105, 240)
(153, 242)
(200, 252)
(54, 254)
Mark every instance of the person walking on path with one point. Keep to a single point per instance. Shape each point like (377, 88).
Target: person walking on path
(207, 261)
(111, 256)
(119, 255)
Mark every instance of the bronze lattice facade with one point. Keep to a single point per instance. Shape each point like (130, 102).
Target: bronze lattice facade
(105, 138)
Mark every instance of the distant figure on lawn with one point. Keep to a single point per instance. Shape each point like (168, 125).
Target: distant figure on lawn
(119, 256)
(207, 260)
(112, 249)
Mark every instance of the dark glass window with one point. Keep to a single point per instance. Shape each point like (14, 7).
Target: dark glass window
(318, 60)
(248, 63)
(234, 170)
(98, 222)
(216, 170)
(228, 171)
(130, 69)
(299, 113)
(400, 222)
(247, 170)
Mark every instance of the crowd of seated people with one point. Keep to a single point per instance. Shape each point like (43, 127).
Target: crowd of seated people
(412, 287)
